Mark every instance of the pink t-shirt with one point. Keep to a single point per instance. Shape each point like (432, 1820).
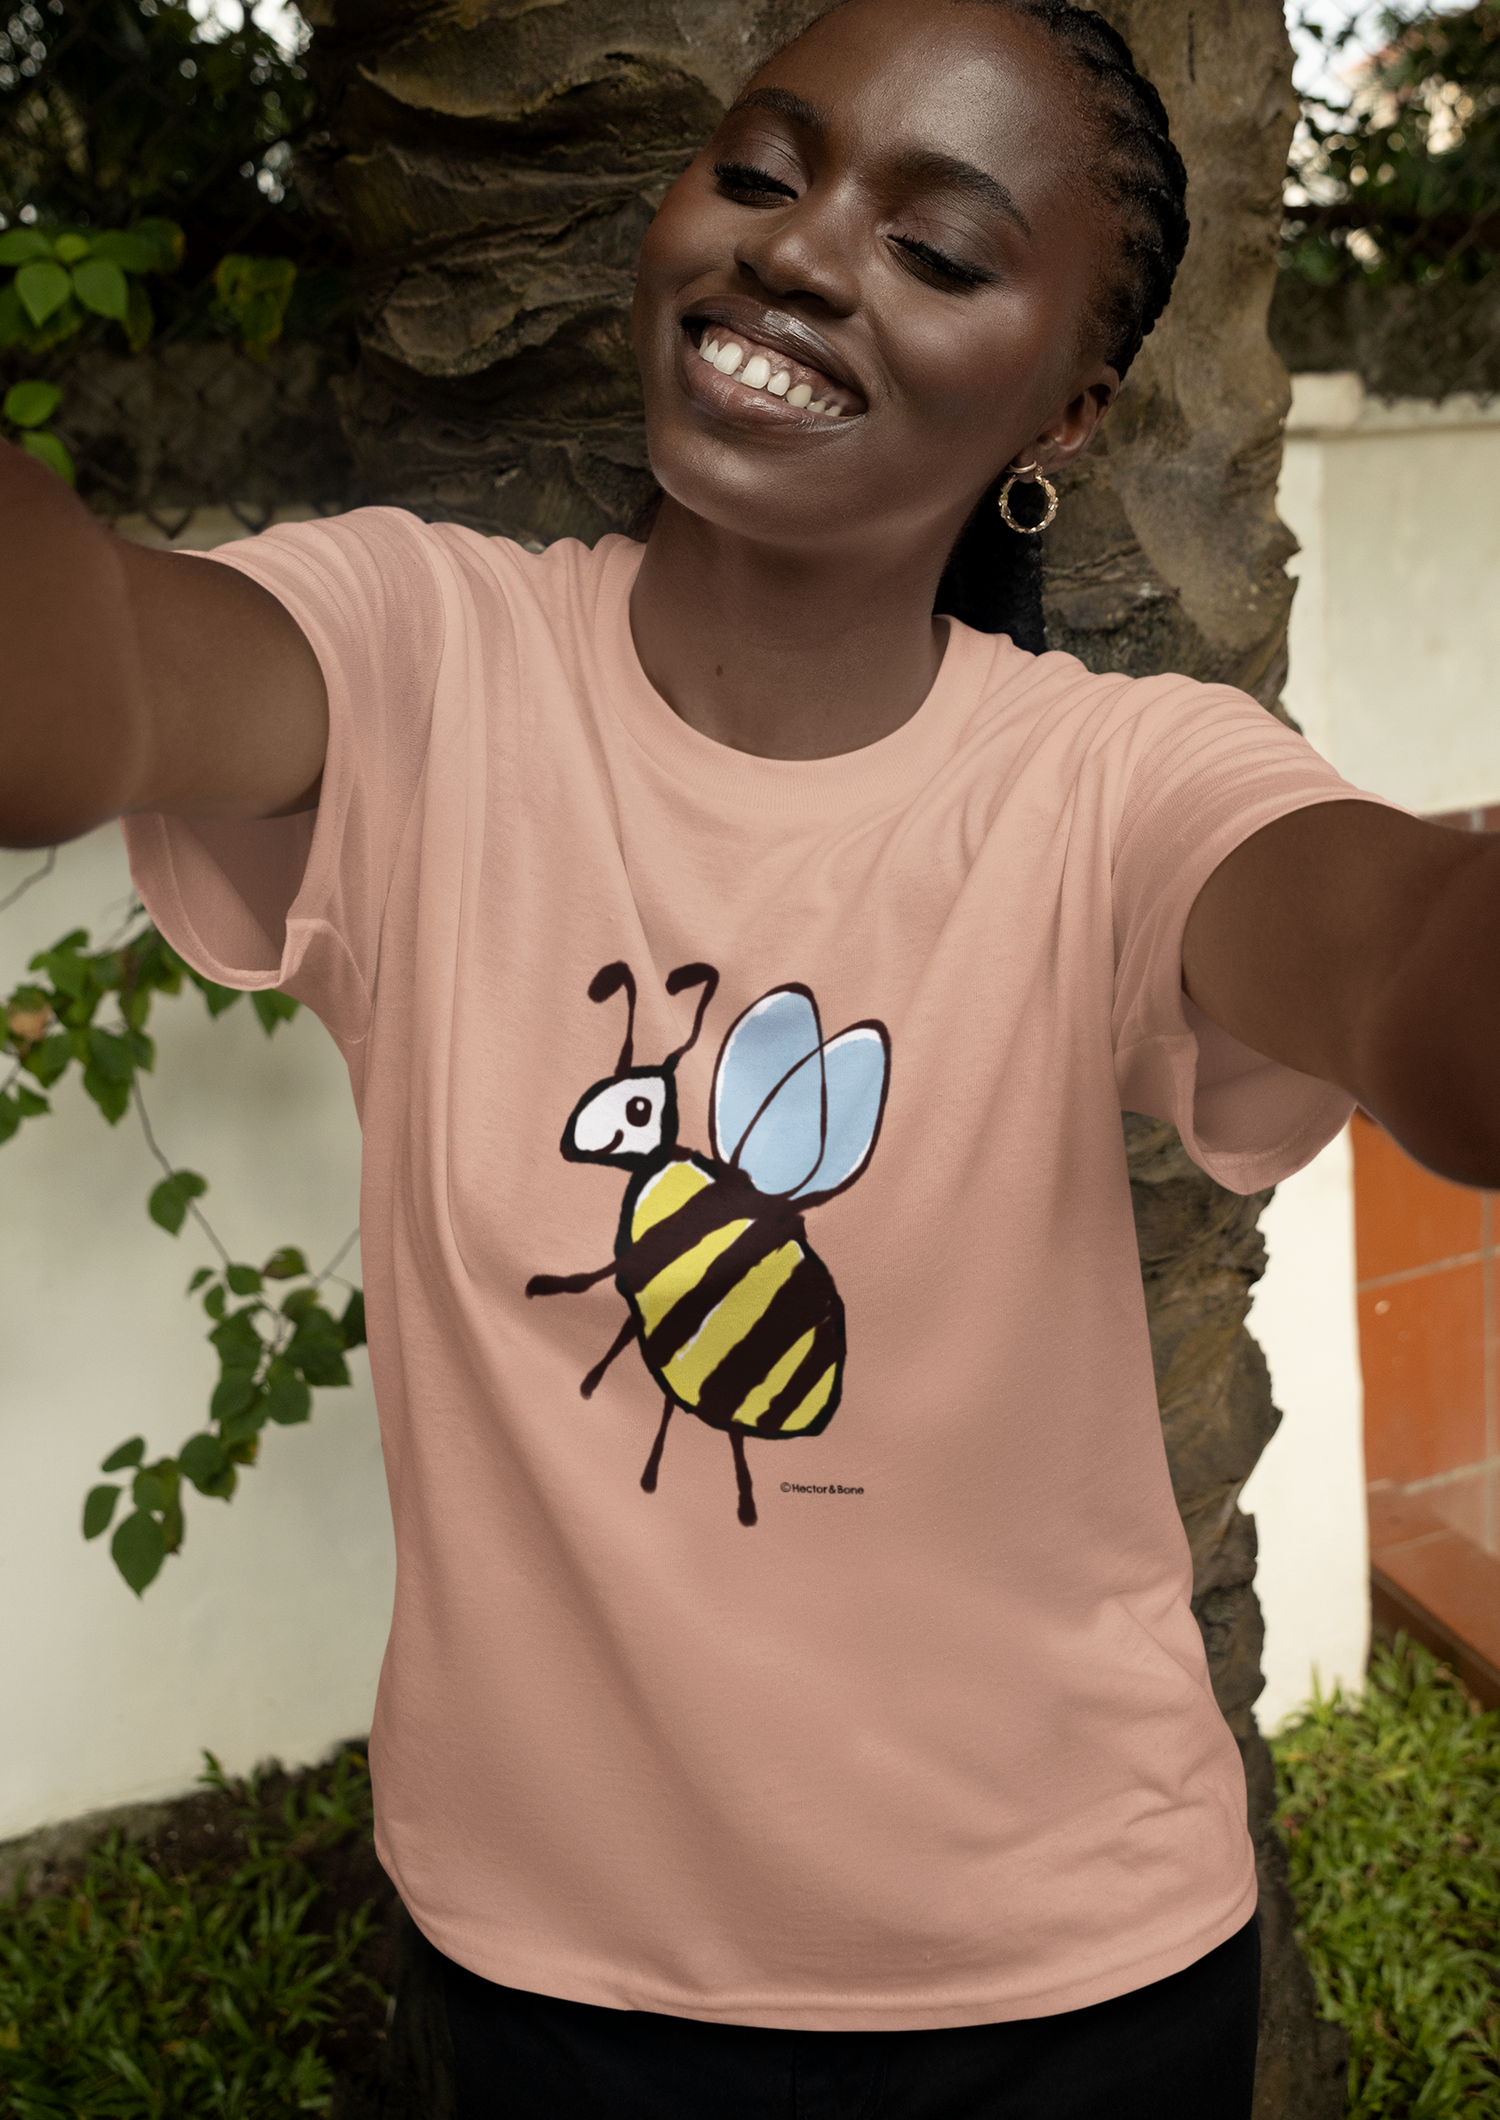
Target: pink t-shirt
(931, 1741)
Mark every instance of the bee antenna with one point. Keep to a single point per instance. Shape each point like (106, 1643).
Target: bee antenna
(687, 975)
(606, 982)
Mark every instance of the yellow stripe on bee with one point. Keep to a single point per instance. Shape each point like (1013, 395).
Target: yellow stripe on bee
(669, 1189)
(804, 1415)
(684, 1273)
(726, 1325)
(760, 1398)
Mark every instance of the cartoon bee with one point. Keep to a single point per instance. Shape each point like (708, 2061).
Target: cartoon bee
(737, 1317)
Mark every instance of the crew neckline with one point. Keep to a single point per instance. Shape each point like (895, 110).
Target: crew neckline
(891, 767)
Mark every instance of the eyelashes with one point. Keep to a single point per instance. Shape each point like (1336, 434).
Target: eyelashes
(745, 177)
(938, 261)
(745, 180)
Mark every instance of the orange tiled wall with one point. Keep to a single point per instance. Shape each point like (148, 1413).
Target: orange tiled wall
(1426, 1255)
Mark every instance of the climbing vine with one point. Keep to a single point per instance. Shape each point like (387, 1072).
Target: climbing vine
(277, 1330)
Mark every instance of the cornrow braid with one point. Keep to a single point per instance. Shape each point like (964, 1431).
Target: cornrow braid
(993, 579)
(1139, 172)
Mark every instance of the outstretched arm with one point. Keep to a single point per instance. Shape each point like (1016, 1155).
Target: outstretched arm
(139, 680)
(1356, 943)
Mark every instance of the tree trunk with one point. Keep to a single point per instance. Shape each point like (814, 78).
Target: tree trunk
(495, 167)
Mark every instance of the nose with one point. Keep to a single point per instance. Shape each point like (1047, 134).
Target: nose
(809, 250)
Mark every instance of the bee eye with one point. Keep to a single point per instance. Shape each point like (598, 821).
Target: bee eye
(638, 1111)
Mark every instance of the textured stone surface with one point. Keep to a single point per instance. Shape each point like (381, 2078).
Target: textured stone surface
(494, 167)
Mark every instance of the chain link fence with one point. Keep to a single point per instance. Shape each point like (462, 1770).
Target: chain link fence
(1391, 244)
(115, 111)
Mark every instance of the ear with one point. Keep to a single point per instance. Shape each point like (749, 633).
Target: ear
(1070, 430)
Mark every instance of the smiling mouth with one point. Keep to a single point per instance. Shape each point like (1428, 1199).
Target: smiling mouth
(755, 370)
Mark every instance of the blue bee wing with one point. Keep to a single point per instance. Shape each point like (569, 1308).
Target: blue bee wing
(798, 1118)
(856, 1065)
(763, 1049)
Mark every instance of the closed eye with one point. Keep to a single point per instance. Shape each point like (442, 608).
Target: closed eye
(953, 272)
(744, 179)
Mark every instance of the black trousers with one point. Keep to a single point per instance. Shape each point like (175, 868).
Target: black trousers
(1181, 2049)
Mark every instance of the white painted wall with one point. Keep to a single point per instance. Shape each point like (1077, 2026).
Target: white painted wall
(1395, 636)
(264, 1636)
(1307, 1494)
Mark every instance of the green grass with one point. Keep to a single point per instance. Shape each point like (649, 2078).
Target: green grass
(224, 1969)
(1390, 1810)
(147, 1988)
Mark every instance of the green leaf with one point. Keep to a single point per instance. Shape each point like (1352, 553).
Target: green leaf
(112, 1098)
(48, 450)
(140, 318)
(48, 1060)
(283, 1265)
(17, 245)
(32, 1106)
(139, 1550)
(168, 1204)
(111, 1055)
(255, 292)
(31, 404)
(288, 1401)
(164, 239)
(218, 998)
(10, 1117)
(239, 1344)
(232, 1394)
(272, 1008)
(127, 248)
(352, 1323)
(98, 1509)
(129, 1453)
(70, 246)
(149, 1492)
(43, 288)
(243, 1280)
(202, 1460)
(214, 1301)
(15, 325)
(204, 1273)
(242, 1426)
(100, 286)
(299, 1303)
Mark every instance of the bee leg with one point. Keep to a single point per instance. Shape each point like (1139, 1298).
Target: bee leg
(742, 1478)
(622, 1340)
(653, 1463)
(568, 1284)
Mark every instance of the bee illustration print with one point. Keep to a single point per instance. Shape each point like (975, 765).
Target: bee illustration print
(738, 1319)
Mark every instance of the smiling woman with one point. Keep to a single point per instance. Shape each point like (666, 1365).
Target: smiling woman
(711, 1799)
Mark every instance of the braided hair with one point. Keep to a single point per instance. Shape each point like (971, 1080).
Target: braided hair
(993, 579)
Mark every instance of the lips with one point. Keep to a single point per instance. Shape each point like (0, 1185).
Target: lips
(750, 336)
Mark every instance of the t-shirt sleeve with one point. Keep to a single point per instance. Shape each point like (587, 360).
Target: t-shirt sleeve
(296, 902)
(1207, 767)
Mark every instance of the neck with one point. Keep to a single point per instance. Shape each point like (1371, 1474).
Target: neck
(777, 654)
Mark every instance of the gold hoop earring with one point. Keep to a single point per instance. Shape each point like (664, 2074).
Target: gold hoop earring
(1027, 529)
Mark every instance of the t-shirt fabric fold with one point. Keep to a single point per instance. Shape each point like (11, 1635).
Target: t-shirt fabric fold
(792, 1616)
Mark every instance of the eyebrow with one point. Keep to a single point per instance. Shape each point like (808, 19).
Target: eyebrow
(921, 165)
(927, 166)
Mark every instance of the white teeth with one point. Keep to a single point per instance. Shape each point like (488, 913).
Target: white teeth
(833, 411)
(728, 358)
(779, 384)
(757, 372)
(802, 395)
(709, 351)
(817, 405)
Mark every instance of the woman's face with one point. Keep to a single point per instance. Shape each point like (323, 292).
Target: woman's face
(893, 223)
